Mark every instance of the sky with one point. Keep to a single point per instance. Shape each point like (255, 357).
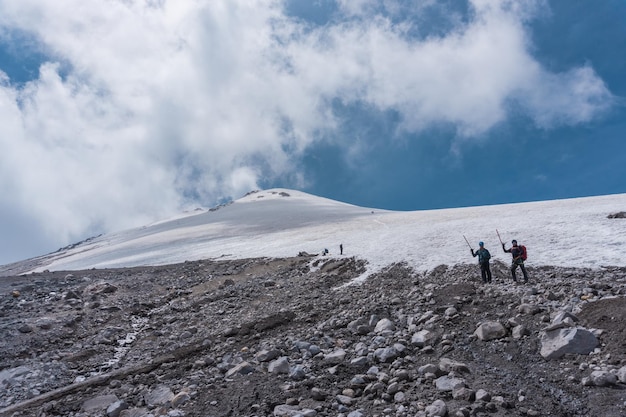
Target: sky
(280, 223)
(119, 113)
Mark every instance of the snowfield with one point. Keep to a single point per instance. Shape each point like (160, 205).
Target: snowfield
(283, 223)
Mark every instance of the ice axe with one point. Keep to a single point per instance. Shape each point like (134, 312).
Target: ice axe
(468, 244)
(499, 237)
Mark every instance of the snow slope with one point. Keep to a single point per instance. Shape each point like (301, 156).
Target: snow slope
(282, 223)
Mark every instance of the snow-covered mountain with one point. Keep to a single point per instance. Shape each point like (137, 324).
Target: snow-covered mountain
(283, 223)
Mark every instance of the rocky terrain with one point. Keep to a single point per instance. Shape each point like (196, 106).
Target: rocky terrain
(288, 337)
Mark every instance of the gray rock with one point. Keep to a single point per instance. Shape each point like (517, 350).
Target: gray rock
(314, 350)
(463, 393)
(180, 399)
(429, 368)
(297, 373)
(161, 395)
(135, 412)
(98, 288)
(520, 331)
(279, 366)
(384, 325)
(530, 309)
(448, 365)
(557, 343)
(560, 324)
(335, 357)
(437, 409)
(462, 412)
(25, 328)
(242, 368)
(267, 355)
(301, 345)
(115, 409)
(602, 379)
(562, 316)
(399, 397)
(450, 312)
(361, 361)
(344, 400)
(318, 394)
(12, 373)
(358, 381)
(285, 410)
(490, 330)
(447, 383)
(423, 338)
(385, 355)
(99, 404)
(482, 395)
(393, 388)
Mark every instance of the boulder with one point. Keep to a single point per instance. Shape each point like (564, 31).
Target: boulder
(384, 325)
(423, 338)
(335, 357)
(116, 408)
(99, 403)
(557, 343)
(385, 355)
(447, 383)
(437, 409)
(490, 330)
(243, 368)
(267, 355)
(520, 331)
(449, 365)
(284, 410)
(529, 309)
(279, 366)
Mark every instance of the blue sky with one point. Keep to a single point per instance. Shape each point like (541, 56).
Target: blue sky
(117, 114)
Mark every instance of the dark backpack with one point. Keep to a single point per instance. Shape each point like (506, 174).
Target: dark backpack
(524, 253)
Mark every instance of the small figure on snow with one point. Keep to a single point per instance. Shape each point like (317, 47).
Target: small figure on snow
(341, 249)
(519, 254)
(483, 260)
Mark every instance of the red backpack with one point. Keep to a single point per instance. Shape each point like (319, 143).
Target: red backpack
(524, 253)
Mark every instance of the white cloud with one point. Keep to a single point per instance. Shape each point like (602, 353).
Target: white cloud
(576, 96)
(147, 103)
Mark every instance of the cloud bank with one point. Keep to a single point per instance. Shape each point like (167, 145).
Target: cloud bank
(144, 107)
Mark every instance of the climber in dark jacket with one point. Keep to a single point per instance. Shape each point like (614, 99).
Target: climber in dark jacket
(516, 252)
(483, 260)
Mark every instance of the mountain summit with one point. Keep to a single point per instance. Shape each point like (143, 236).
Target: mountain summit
(283, 223)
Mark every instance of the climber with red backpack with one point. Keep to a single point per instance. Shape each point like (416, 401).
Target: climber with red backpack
(519, 254)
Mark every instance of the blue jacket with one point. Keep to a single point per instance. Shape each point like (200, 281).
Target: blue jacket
(483, 255)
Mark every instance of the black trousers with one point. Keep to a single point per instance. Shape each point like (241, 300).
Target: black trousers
(485, 271)
(514, 266)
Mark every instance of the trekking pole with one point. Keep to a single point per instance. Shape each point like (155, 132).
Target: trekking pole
(470, 246)
(499, 237)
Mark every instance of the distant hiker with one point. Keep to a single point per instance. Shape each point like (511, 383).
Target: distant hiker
(483, 260)
(519, 254)
(325, 252)
(341, 248)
